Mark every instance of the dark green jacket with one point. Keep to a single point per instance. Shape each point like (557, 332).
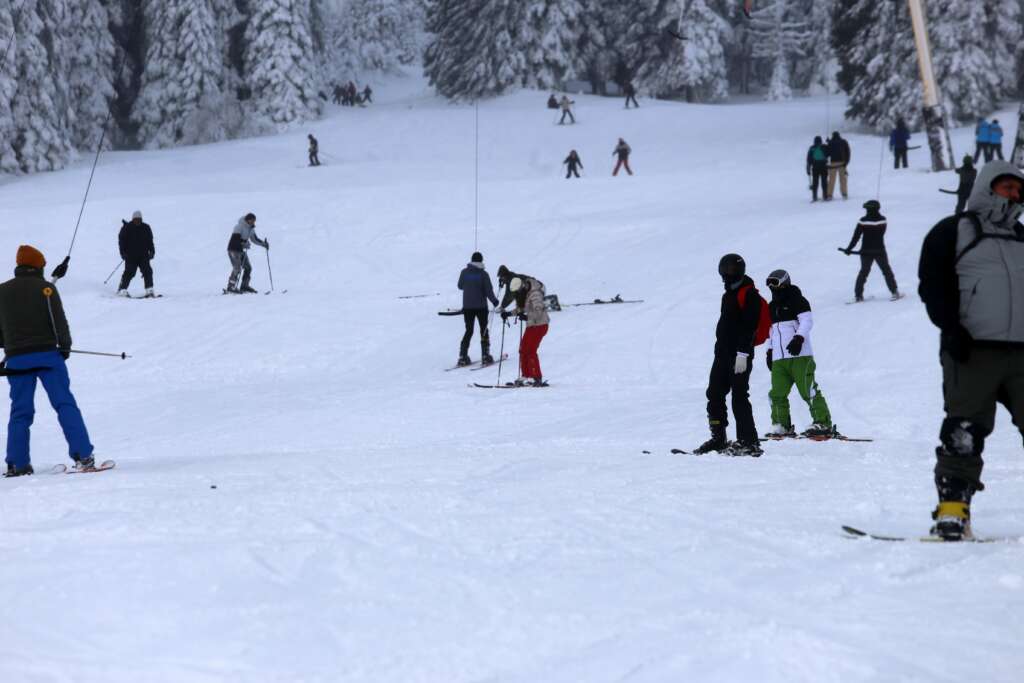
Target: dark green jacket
(26, 324)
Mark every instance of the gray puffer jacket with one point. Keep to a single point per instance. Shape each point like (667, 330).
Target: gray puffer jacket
(534, 308)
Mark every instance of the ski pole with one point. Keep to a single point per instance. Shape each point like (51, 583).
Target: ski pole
(122, 355)
(113, 271)
(847, 252)
(501, 353)
(269, 271)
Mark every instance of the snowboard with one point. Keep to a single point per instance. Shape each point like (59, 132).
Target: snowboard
(852, 532)
(99, 467)
(475, 365)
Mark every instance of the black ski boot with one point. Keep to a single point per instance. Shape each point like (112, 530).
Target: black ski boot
(13, 471)
(716, 444)
(246, 289)
(487, 360)
(820, 432)
(463, 362)
(751, 449)
(952, 521)
(86, 464)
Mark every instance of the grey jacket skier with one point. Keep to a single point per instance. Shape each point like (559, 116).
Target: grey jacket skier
(972, 283)
(243, 233)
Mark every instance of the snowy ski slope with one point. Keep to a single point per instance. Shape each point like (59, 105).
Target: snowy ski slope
(303, 495)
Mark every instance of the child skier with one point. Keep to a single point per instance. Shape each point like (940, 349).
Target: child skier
(238, 246)
(477, 290)
(622, 151)
(566, 105)
(791, 361)
(314, 151)
(574, 164)
(872, 228)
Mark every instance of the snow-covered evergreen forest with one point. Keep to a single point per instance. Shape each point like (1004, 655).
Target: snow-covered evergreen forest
(180, 72)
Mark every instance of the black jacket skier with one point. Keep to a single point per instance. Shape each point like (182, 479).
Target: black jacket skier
(574, 163)
(968, 173)
(871, 229)
(733, 361)
(477, 290)
(135, 242)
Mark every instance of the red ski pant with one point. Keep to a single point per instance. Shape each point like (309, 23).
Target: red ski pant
(529, 362)
(622, 162)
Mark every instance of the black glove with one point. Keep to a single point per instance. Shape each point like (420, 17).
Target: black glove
(957, 343)
(61, 270)
(266, 244)
(847, 251)
(795, 345)
(522, 316)
(65, 353)
(505, 315)
(768, 359)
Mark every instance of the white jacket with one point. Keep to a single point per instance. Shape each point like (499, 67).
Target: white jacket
(782, 333)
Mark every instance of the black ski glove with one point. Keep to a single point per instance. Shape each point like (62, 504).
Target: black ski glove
(957, 343)
(61, 270)
(505, 315)
(768, 359)
(522, 316)
(795, 345)
(65, 353)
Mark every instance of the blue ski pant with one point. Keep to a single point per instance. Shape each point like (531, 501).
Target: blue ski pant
(49, 368)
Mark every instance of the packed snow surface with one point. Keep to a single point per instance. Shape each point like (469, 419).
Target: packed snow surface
(302, 494)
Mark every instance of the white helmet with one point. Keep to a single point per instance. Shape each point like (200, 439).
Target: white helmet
(516, 284)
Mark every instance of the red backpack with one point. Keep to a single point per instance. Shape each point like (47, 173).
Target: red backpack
(764, 321)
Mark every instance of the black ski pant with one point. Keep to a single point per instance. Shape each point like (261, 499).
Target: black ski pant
(569, 114)
(997, 151)
(632, 98)
(819, 176)
(314, 158)
(132, 266)
(722, 382)
(572, 172)
(899, 155)
(473, 316)
(961, 202)
(866, 261)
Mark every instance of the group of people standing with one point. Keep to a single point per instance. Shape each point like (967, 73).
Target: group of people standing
(348, 95)
(622, 150)
(988, 140)
(826, 163)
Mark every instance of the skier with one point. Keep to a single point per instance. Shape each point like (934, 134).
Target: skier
(817, 168)
(981, 133)
(339, 94)
(477, 290)
(899, 139)
(37, 340)
(970, 281)
(734, 352)
(566, 105)
(135, 242)
(528, 294)
(622, 151)
(838, 160)
(368, 94)
(573, 162)
(630, 92)
(967, 174)
(791, 361)
(314, 151)
(552, 102)
(872, 228)
(995, 141)
(238, 246)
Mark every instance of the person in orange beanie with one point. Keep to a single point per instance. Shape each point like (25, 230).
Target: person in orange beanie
(37, 341)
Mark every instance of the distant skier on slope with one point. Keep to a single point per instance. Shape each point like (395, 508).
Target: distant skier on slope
(630, 92)
(872, 229)
(995, 141)
(790, 359)
(552, 102)
(817, 168)
(574, 164)
(477, 290)
(734, 352)
(968, 173)
(368, 94)
(135, 242)
(899, 141)
(243, 233)
(566, 106)
(622, 151)
(838, 159)
(37, 341)
(314, 151)
(971, 283)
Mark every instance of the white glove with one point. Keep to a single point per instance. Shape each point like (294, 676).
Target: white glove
(742, 361)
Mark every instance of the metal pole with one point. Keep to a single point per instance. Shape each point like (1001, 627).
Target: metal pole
(113, 271)
(934, 116)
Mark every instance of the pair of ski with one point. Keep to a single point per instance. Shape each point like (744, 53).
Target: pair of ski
(617, 299)
(266, 293)
(835, 436)
(476, 365)
(510, 385)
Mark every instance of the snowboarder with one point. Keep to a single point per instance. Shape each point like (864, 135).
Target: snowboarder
(477, 290)
(981, 133)
(733, 361)
(238, 246)
(899, 140)
(528, 293)
(838, 160)
(314, 151)
(135, 242)
(630, 92)
(967, 174)
(368, 94)
(790, 359)
(552, 102)
(622, 151)
(817, 168)
(573, 162)
(872, 229)
(566, 105)
(970, 281)
(37, 341)
(995, 141)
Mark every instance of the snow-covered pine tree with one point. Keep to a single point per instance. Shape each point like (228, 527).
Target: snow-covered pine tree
(281, 68)
(8, 87)
(778, 37)
(41, 109)
(1004, 35)
(549, 39)
(969, 79)
(878, 63)
(704, 76)
(91, 76)
(371, 35)
(818, 69)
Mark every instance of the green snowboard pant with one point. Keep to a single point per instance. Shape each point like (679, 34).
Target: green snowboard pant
(799, 371)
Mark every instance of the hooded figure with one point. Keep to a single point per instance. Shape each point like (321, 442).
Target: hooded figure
(972, 284)
(817, 168)
(477, 290)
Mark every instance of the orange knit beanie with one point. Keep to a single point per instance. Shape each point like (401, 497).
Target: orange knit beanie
(30, 256)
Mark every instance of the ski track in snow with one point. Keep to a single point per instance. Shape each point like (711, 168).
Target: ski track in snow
(376, 520)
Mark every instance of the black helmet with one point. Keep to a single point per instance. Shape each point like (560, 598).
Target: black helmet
(872, 205)
(732, 267)
(778, 278)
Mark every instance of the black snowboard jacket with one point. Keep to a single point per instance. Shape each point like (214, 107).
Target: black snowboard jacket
(737, 324)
